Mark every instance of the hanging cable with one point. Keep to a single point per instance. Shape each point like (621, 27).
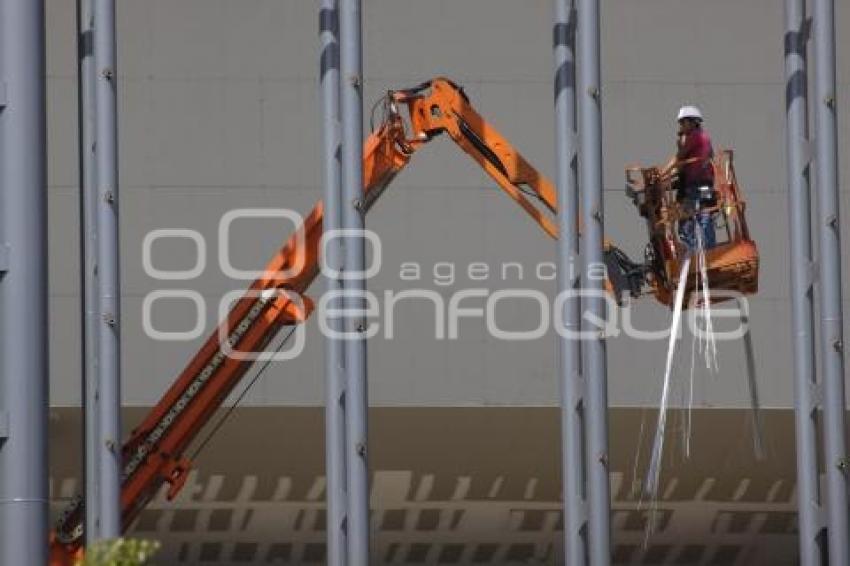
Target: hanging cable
(241, 396)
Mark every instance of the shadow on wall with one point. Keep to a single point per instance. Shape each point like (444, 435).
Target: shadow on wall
(464, 485)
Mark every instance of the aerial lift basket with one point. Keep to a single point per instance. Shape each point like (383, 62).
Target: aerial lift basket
(733, 262)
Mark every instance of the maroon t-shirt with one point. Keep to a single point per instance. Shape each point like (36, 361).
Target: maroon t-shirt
(698, 148)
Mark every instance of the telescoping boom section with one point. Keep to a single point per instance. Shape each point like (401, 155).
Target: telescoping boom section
(155, 455)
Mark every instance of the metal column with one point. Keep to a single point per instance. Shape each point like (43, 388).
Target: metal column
(828, 229)
(109, 293)
(23, 285)
(593, 352)
(802, 283)
(88, 249)
(334, 347)
(356, 396)
(569, 349)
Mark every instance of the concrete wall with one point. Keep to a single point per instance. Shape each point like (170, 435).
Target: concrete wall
(219, 111)
(444, 491)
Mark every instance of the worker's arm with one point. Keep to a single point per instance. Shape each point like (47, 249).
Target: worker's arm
(680, 156)
(668, 167)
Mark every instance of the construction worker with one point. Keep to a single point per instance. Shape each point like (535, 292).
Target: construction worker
(695, 189)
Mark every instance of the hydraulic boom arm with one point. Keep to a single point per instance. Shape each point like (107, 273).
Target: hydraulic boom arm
(155, 453)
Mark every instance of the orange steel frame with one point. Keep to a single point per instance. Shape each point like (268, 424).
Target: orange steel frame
(732, 263)
(386, 152)
(155, 453)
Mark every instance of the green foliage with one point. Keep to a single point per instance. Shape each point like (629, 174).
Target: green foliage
(120, 552)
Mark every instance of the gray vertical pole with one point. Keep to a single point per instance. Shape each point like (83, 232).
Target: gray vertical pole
(828, 227)
(108, 349)
(23, 285)
(593, 354)
(88, 250)
(334, 347)
(569, 349)
(803, 339)
(356, 396)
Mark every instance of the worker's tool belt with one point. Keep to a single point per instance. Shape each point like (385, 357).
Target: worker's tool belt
(703, 193)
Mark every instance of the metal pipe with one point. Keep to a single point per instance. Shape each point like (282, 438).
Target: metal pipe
(334, 347)
(109, 290)
(23, 284)
(88, 250)
(828, 229)
(593, 352)
(356, 397)
(569, 348)
(802, 308)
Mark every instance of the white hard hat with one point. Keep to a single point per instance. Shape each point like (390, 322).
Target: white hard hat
(689, 112)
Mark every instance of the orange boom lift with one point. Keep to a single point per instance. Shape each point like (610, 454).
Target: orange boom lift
(155, 453)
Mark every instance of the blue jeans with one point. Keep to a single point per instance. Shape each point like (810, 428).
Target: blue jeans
(706, 223)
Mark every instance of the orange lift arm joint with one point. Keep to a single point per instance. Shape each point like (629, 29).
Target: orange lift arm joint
(154, 454)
